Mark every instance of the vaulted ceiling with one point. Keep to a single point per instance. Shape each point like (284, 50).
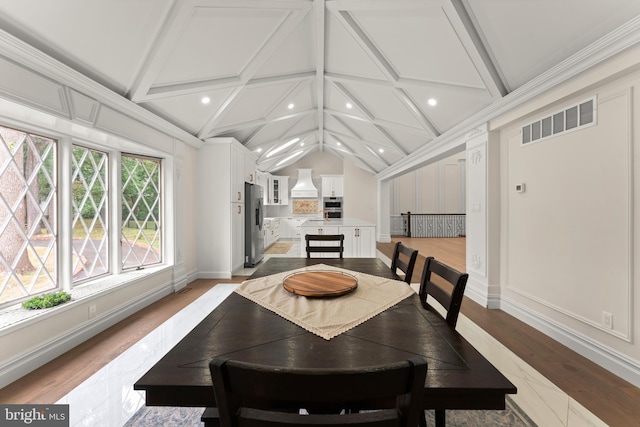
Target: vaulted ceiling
(371, 81)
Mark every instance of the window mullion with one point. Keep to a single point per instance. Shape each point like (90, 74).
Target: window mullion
(65, 215)
(115, 212)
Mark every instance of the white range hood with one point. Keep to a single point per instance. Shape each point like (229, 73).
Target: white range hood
(304, 188)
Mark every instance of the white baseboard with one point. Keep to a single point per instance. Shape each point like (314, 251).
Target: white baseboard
(47, 351)
(214, 275)
(611, 360)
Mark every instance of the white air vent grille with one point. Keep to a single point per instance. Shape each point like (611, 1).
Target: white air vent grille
(572, 118)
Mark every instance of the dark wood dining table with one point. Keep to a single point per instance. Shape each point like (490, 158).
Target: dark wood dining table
(458, 376)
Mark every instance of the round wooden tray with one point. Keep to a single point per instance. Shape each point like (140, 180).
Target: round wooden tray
(320, 283)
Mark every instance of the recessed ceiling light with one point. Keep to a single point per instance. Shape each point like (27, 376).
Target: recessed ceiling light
(259, 150)
(432, 102)
(290, 106)
(380, 150)
(302, 144)
(338, 143)
(349, 105)
(205, 100)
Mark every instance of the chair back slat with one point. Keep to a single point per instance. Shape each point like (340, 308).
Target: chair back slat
(451, 296)
(311, 248)
(256, 395)
(404, 259)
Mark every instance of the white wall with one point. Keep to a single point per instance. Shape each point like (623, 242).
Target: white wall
(190, 197)
(360, 193)
(436, 188)
(568, 243)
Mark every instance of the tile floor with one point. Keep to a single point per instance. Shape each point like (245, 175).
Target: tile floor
(108, 399)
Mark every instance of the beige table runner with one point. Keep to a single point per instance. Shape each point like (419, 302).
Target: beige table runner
(326, 317)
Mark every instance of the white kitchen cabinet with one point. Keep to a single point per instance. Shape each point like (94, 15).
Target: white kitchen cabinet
(295, 226)
(332, 186)
(359, 242)
(250, 172)
(262, 180)
(279, 190)
(237, 236)
(220, 207)
(237, 174)
(266, 230)
(317, 229)
(290, 227)
(359, 236)
(276, 229)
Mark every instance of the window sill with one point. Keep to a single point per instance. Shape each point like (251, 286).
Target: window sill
(15, 316)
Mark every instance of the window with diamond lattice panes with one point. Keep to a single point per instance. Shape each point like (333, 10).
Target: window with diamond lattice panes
(28, 239)
(89, 203)
(141, 220)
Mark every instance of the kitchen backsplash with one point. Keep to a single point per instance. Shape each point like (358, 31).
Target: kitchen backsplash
(304, 206)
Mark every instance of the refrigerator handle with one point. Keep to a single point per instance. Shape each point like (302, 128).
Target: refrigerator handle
(259, 216)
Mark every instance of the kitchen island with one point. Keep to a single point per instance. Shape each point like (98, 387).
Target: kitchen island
(359, 236)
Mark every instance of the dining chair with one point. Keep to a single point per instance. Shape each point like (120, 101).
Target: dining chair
(256, 395)
(404, 258)
(446, 285)
(319, 248)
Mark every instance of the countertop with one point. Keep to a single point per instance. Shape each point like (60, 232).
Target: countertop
(343, 222)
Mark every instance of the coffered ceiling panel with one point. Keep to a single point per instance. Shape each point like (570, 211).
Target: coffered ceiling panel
(369, 81)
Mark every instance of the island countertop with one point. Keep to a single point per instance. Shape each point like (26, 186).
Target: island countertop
(340, 222)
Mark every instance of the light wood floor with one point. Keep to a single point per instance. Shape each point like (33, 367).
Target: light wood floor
(612, 399)
(609, 397)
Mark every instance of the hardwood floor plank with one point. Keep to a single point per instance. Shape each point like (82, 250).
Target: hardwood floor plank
(49, 383)
(609, 397)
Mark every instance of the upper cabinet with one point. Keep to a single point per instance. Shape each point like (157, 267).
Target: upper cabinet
(279, 190)
(250, 170)
(262, 179)
(332, 186)
(276, 188)
(237, 174)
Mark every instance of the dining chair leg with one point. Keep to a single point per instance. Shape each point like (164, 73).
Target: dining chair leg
(440, 418)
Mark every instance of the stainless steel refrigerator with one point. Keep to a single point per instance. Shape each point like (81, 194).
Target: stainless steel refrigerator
(253, 219)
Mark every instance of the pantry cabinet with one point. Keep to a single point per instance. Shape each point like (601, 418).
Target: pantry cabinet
(222, 163)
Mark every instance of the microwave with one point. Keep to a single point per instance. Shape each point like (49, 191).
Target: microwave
(332, 203)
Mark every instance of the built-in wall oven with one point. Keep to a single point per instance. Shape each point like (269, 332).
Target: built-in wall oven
(332, 207)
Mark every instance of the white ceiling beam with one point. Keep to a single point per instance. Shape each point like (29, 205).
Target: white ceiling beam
(270, 114)
(341, 137)
(319, 7)
(278, 36)
(403, 83)
(417, 113)
(161, 49)
(357, 158)
(461, 22)
(380, 122)
(180, 89)
(369, 116)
